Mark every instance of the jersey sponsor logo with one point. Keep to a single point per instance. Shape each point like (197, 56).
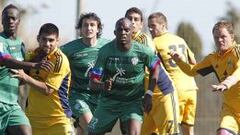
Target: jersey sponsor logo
(134, 60)
(82, 54)
(120, 72)
(90, 66)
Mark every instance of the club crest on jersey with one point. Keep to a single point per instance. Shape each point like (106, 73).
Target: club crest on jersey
(134, 60)
(1, 47)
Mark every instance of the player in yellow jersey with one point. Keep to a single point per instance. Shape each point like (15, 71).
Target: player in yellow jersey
(187, 94)
(161, 102)
(135, 15)
(226, 64)
(48, 108)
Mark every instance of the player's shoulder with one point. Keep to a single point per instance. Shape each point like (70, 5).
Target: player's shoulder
(59, 54)
(108, 46)
(70, 44)
(60, 60)
(236, 49)
(212, 55)
(103, 41)
(144, 36)
(141, 48)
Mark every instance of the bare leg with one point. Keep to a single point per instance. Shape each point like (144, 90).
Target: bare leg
(187, 129)
(19, 130)
(83, 122)
(22, 96)
(134, 127)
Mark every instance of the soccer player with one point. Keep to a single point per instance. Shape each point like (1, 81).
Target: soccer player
(48, 109)
(187, 92)
(226, 64)
(13, 121)
(118, 74)
(135, 15)
(82, 54)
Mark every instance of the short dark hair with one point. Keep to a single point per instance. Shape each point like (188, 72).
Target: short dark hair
(121, 20)
(9, 7)
(90, 16)
(162, 18)
(49, 28)
(134, 10)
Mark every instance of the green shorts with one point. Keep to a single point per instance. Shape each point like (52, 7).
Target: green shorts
(109, 111)
(82, 103)
(11, 115)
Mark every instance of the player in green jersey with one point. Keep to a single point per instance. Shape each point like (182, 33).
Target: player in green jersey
(118, 74)
(82, 54)
(13, 121)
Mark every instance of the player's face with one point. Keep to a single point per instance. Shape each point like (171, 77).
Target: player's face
(223, 39)
(155, 27)
(10, 20)
(123, 32)
(135, 18)
(89, 28)
(47, 42)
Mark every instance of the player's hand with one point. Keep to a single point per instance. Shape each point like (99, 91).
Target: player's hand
(147, 103)
(45, 65)
(108, 84)
(219, 87)
(19, 74)
(175, 56)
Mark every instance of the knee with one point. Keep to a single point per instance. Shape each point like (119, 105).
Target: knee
(26, 131)
(222, 131)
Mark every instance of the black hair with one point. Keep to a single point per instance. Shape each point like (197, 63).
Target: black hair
(134, 10)
(10, 6)
(49, 28)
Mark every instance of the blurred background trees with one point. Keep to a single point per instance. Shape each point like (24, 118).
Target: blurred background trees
(192, 38)
(233, 15)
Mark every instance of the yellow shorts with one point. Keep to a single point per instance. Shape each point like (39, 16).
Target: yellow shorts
(230, 120)
(164, 116)
(187, 106)
(56, 129)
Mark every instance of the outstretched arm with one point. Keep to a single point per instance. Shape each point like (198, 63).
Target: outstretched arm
(185, 67)
(8, 61)
(15, 64)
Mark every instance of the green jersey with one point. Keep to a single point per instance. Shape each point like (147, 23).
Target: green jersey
(82, 59)
(127, 69)
(9, 85)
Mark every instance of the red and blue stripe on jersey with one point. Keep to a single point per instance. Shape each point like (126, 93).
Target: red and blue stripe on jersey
(4, 56)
